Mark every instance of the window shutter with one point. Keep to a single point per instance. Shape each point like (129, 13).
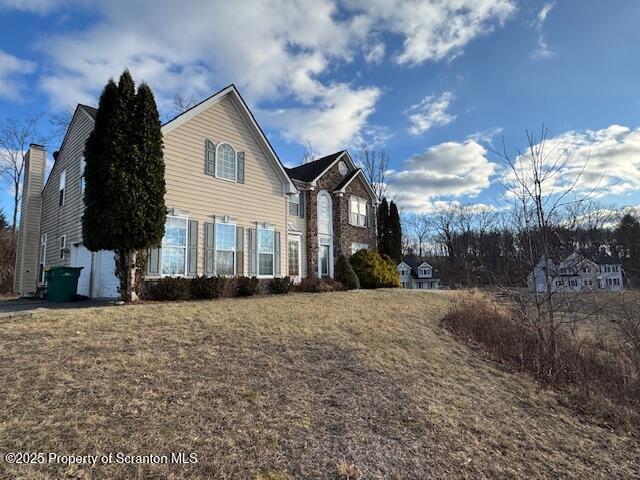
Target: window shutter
(369, 216)
(209, 249)
(301, 206)
(192, 258)
(240, 166)
(253, 247)
(209, 158)
(153, 265)
(239, 251)
(276, 253)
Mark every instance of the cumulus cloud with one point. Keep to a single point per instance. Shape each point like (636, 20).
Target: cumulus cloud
(278, 52)
(605, 161)
(431, 111)
(10, 68)
(543, 50)
(433, 30)
(442, 173)
(317, 124)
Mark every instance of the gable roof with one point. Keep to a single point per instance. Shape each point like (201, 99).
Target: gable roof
(414, 262)
(349, 178)
(90, 110)
(309, 172)
(248, 116)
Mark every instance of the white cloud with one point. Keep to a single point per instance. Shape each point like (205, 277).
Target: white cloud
(607, 161)
(543, 50)
(375, 54)
(317, 124)
(486, 136)
(442, 173)
(430, 112)
(37, 6)
(278, 52)
(10, 68)
(434, 30)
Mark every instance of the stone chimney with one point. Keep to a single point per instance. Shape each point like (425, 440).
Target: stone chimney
(28, 247)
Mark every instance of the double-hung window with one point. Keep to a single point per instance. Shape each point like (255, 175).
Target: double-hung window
(294, 205)
(358, 211)
(226, 162)
(174, 247)
(43, 257)
(225, 248)
(266, 253)
(63, 245)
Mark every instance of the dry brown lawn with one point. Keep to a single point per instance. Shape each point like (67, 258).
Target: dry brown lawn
(362, 384)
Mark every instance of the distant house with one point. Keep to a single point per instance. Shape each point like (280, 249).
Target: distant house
(417, 273)
(577, 273)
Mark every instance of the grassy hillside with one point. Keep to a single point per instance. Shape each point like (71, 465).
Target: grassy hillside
(285, 387)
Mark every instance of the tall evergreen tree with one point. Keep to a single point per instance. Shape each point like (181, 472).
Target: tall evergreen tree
(383, 221)
(627, 237)
(394, 241)
(124, 194)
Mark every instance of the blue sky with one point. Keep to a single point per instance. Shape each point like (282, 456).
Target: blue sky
(435, 83)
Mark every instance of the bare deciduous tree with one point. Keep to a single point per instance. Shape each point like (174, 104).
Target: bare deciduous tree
(419, 226)
(375, 164)
(60, 122)
(16, 134)
(543, 191)
(181, 104)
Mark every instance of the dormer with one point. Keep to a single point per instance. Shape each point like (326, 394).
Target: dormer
(424, 270)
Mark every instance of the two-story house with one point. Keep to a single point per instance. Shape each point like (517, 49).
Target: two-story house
(233, 209)
(334, 212)
(577, 273)
(417, 273)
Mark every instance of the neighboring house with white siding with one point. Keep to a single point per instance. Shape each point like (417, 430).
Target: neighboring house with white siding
(417, 273)
(577, 273)
(233, 209)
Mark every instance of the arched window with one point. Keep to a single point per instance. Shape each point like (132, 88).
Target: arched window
(226, 162)
(324, 214)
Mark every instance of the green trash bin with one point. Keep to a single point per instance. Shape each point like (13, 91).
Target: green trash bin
(62, 283)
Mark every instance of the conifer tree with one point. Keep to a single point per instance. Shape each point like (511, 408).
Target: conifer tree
(394, 241)
(383, 217)
(124, 193)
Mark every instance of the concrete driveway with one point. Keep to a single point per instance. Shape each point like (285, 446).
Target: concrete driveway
(20, 307)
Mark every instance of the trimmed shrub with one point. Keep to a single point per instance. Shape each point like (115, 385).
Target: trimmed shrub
(280, 285)
(345, 273)
(374, 270)
(247, 286)
(317, 285)
(169, 289)
(207, 287)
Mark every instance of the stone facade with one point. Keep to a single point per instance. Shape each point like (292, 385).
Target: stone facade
(344, 234)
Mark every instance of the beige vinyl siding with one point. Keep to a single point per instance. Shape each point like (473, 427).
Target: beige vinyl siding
(259, 199)
(66, 220)
(27, 255)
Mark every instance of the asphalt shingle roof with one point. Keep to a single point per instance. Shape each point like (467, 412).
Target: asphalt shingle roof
(347, 179)
(308, 172)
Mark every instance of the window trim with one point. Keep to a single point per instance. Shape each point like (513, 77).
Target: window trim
(273, 252)
(62, 189)
(215, 246)
(235, 162)
(63, 245)
(186, 249)
(359, 201)
(324, 194)
(295, 239)
(296, 203)
(83, 166)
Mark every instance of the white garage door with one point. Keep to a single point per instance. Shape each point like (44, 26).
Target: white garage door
(81, 257)
(105, 276)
